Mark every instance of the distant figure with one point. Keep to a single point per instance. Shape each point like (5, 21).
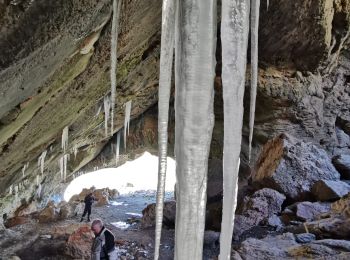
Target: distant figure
(89, 199)
(103, 246)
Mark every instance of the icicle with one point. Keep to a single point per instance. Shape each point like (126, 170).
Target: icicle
(267, 4)
(254, 32)
(65, 139)
(127, 120)
(11, 190)
(166, 61)
(114, 43)
(37, 180)
(25, 167)
(107, 108)
(117, 149)
(63, 163)
(98, 111)
(41, 161)
(16, 191)
(195, 45)
(75, 151)
(234, 38)
(38, 191)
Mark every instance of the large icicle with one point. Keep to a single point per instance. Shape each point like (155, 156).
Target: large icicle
(127, 120)
(166, 61)
(65, 139)
(41, 161)
(254, 32)
(107, 110)
(195, 44)
(114, 42)
(117, 149)
(63, 162)
(234, 38)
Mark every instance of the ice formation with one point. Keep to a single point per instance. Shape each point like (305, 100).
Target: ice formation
(195, 45)
(25, 167)
(41, 161)
(127, 120)
(114, 41)
(166, 61)
(107, 110)
(65, 139)
(63, 166)
(234, 38)
(75, 150)
(117, 149)
(254, 30)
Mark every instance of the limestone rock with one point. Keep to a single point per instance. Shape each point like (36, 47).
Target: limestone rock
(326, 190)
(79, 243)
(292, 167)
(306, 211)
(149, 214)
(342, 164)
(48, 214)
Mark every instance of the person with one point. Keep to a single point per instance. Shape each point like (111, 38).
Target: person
(88, 200)
(103, 246)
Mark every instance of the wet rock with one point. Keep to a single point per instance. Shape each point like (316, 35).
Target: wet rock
(325, 190)
(149, 214)
(291, 166)
(79, 243)
(342, 164)
(258, 208)
(305, 238)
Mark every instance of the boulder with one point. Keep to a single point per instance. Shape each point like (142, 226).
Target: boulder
(79, 243)
(66, 210)
(305, 238)
(342, 164)
(326, 190)
(286, 246)
(26, 209)
(49, 213)
(291, 167)
(15, 221)
(149, 215)
(257, 209)
(305, 211)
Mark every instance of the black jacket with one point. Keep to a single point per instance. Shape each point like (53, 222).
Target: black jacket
(89, 199)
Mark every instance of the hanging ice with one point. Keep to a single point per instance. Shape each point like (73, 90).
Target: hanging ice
(65, 139)
(16, 191)
(254, 32)
(234, 38)
(11, 190)
(38, 191)
(114, 42)
(98, 111)
(41, 161)
(195, 44)
(75, 151)
(37, 180)
(117, 149)
(63, 162)
(25, 167)
(107, 108)
(127, 120)
(166, 61)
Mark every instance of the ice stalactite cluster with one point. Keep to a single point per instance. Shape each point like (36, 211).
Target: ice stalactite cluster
(127, 120)
(166, 61)
(195, 43)
(107, 110)
(117, 149)
(113, 72)
(41, 161)
(75, 150)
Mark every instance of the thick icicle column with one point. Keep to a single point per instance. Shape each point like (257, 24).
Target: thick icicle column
(254, 31)
(234, 38)
(195, 44)
(166, 62)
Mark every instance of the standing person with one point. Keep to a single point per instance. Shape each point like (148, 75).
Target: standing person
(103, 246)
(89, 199)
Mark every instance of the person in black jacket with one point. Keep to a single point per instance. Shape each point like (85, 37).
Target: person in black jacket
(103, 246)
(89, 199)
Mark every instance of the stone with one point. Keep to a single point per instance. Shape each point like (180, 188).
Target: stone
(258, 208)
(291, 167)
(274, 221)
(306, 211)
(305, 238)
(15, 221)
(149, 214)
(342, 164)
(48, 214)
(79, 243)
(326, 190)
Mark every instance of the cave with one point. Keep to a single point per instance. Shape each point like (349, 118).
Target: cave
(243, 104)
